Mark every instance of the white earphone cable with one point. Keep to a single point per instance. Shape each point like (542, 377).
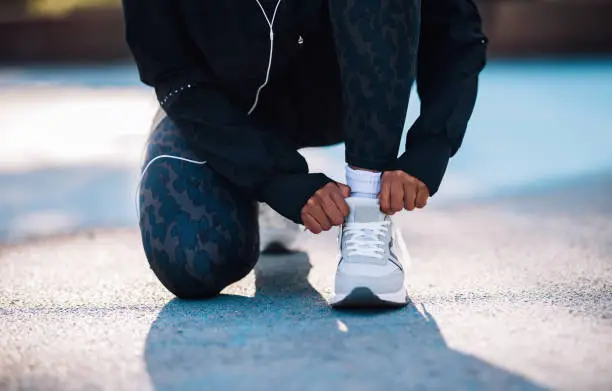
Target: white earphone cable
(271, 24)
(144, 171)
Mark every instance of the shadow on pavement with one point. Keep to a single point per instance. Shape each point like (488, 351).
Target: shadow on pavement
(286, 337)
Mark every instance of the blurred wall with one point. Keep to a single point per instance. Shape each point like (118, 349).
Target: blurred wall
(542, 27)
(91, 35)
(515, 28)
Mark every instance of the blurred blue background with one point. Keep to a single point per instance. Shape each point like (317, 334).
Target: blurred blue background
(73, 116)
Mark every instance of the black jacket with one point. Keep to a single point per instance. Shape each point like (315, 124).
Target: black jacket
(206, 59)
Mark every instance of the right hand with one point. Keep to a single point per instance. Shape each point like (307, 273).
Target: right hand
(326, 208)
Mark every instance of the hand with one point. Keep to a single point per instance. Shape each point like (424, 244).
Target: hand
(326, 208)
(399, 191)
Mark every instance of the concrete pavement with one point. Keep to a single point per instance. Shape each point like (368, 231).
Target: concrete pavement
(511, 293)
(511, 279)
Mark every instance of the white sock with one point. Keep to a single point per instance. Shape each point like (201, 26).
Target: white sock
(363, 183)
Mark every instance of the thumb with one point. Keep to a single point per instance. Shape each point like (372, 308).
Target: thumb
(346, 191)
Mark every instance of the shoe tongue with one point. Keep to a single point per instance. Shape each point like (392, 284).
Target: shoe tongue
(364, 211)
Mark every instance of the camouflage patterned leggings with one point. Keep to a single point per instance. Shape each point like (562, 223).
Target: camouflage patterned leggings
(377, 44)
(199, 233)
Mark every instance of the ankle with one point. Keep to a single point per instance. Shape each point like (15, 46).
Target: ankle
(363, 183)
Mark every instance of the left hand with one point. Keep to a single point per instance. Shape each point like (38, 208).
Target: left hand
(399, 190)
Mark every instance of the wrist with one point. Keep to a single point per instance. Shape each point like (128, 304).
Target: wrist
(426, 159)
(288, 193)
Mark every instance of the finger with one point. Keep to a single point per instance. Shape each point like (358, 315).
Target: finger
(397, 197)
(385, 196)
(332, 212)
(422, 196)
(409, 196)
(345, 191)
(315, 210)
(340, 203)
(311, 224)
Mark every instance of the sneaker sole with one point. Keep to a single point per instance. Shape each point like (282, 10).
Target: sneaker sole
(363, 297)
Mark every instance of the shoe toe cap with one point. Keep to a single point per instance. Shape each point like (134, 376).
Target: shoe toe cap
(379, 279)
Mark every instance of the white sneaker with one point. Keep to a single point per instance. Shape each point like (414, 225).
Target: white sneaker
(277, 234)
(369, 273)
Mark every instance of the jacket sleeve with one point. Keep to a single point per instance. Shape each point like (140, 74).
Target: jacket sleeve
(452, 52)
(263, 165)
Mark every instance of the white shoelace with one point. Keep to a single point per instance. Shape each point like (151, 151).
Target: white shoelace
(366, 239)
